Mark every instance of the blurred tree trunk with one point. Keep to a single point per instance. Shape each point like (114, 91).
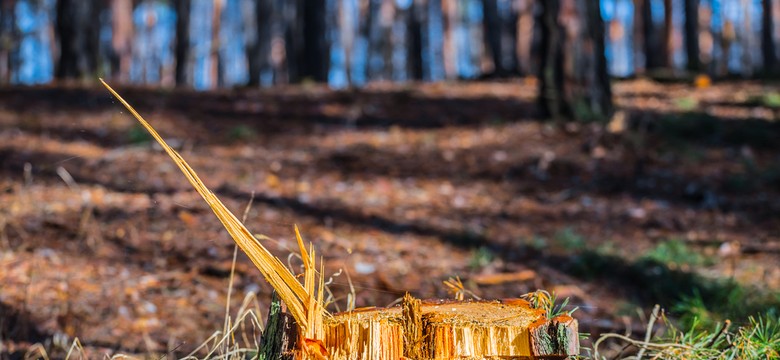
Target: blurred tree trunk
(182, 51)
(551, 92)
(639, 40)
(491, 23)
(79, 36)
(597, 89)
(668, 43)
(366, 26)
(215, 75)
(509, 39)
(315, 61)
(528, 34)
(767, 38)
(584, 94)
(449, 55)
(121, 39)
(259, 50)
(652, 44)
(293, 39)
(434, 28)
(346, 29)
(414, 40)
(747, 39)
(386, 18)
(692, 35)
(8, 40)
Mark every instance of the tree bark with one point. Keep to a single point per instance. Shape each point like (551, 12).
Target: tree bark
(692, 35)
(767, 38)
(182, 50)
(259, 51)
(280, 337)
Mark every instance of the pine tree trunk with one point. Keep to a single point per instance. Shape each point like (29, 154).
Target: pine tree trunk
(551, 102)
(346, 30)
(293, 38)
(315, 62)
(215, 66)
(368, 12)
(78, 38)
(767, 37)
(692, 35)
(598, 89)
(747, 39)
(121, 39)
(491, 23)
(182, 50)
(653, 50)
(668, 44)
(509, 40)
(8, 40)
(586, 88)
(259, 51)
(414, 39)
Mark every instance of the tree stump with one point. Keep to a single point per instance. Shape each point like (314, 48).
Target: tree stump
(500, 329)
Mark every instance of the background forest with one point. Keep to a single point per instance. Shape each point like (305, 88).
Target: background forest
(619, 153)
(208, 44)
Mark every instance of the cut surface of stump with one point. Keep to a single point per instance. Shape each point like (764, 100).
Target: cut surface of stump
(501, 329)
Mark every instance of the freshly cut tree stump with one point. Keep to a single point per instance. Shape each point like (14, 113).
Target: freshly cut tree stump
(501, 329)
(299, 326)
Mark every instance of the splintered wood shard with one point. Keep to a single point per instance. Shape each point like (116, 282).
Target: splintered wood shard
(298, 300)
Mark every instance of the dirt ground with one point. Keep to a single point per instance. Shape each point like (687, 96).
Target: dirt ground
(398, 187)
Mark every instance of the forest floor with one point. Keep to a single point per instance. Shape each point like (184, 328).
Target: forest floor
(401, 187)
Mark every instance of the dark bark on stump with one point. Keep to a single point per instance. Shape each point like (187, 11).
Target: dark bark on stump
(280, 337)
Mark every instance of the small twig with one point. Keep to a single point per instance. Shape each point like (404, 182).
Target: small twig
(67, 178)
(722, 330)
(649, 331)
